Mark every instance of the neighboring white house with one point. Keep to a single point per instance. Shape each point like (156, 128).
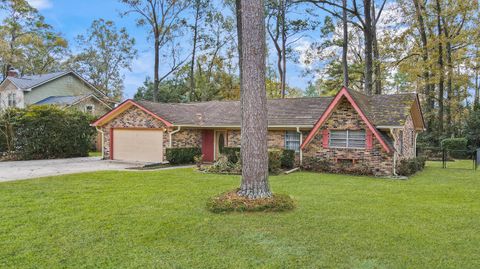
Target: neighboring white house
(64, 89)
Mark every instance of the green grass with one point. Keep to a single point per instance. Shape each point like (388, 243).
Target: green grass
(158, 219)
(95, 154)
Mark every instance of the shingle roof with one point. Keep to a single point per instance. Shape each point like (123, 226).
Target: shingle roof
(382, 110)
(385, 109)
(28, 82)
(60, 100)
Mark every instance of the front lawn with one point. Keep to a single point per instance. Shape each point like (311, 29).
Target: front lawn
(158, 219)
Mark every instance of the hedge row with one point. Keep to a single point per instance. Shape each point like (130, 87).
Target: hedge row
(46, 132)
(286, 157)
(409, 167)
(182, 155)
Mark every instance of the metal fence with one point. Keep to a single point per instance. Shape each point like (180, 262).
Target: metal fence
(477, 159)
(451, 155)
(447, 157)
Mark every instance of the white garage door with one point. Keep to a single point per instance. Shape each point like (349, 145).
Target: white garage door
(138, 145)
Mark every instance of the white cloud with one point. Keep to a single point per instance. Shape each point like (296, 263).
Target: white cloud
(40, 4)
(142, 67)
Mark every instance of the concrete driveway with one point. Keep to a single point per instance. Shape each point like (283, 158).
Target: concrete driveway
(41, 168)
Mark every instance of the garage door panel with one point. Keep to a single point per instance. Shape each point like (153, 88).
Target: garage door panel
(138, 145)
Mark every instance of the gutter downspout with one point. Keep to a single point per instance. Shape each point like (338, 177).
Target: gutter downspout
(394, 154)
(103, 141)
(415, 144)
(301, 142)
(170, 136)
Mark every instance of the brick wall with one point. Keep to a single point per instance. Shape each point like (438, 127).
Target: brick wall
(131, 118)
(376, 160)
(276, 139)
(187, 138)
(405, 150)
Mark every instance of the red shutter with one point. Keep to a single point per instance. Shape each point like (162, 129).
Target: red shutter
(369, 139)
(325, 138)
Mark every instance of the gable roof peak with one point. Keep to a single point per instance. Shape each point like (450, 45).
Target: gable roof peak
(359, 104)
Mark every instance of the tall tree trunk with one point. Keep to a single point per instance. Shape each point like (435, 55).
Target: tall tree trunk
(448, 109)
(367, 33)
(476, 102)
(376, 53)
(441, 68)
(156, 68)
(283, 12)
(238, 16)
(194, 49)
(419, 10)
(345, 43)
(253, 101)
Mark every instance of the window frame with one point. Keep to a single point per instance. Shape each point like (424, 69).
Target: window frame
(12, 99)
(93, 108)
(288, 139)
(348, 139)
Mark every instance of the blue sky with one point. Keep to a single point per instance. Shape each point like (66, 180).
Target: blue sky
(72, 18)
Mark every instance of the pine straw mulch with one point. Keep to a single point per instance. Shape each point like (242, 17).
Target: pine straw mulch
(232, 202)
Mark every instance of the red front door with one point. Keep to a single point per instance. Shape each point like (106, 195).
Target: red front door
(207, 145)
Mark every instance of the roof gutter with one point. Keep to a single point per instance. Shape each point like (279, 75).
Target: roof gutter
(170, 136)
(301, 142)
(388, 127)
(394, 154)
(238, 126)
(103, 141)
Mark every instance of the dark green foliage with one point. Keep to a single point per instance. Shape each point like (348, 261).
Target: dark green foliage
(182, 155)
(315, 164)
(274, 161)
(47, 132)
(170, 91)
(3, 143)
(454, 143)
(472, 129)
(288, 158)
(232, 202)
(456, 147)
(409, 167)
(321, 165)
(232, 153)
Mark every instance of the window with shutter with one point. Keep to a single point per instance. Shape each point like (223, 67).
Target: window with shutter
(347, 139)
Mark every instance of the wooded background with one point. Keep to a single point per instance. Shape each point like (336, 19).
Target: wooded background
(375, 46)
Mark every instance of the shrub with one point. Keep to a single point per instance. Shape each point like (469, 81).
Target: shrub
(409, 167)
(316, 164)
(3, 144)
(232, 202)
(232, 161)
(232, 153)
(182, 155)
(46, 132)
(454, 143)
(472, 128)
(456, 147)
(198, 161)
(274, 161)
(288, 158)
(223, 165)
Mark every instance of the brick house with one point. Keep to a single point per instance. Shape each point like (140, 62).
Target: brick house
(353, 129)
